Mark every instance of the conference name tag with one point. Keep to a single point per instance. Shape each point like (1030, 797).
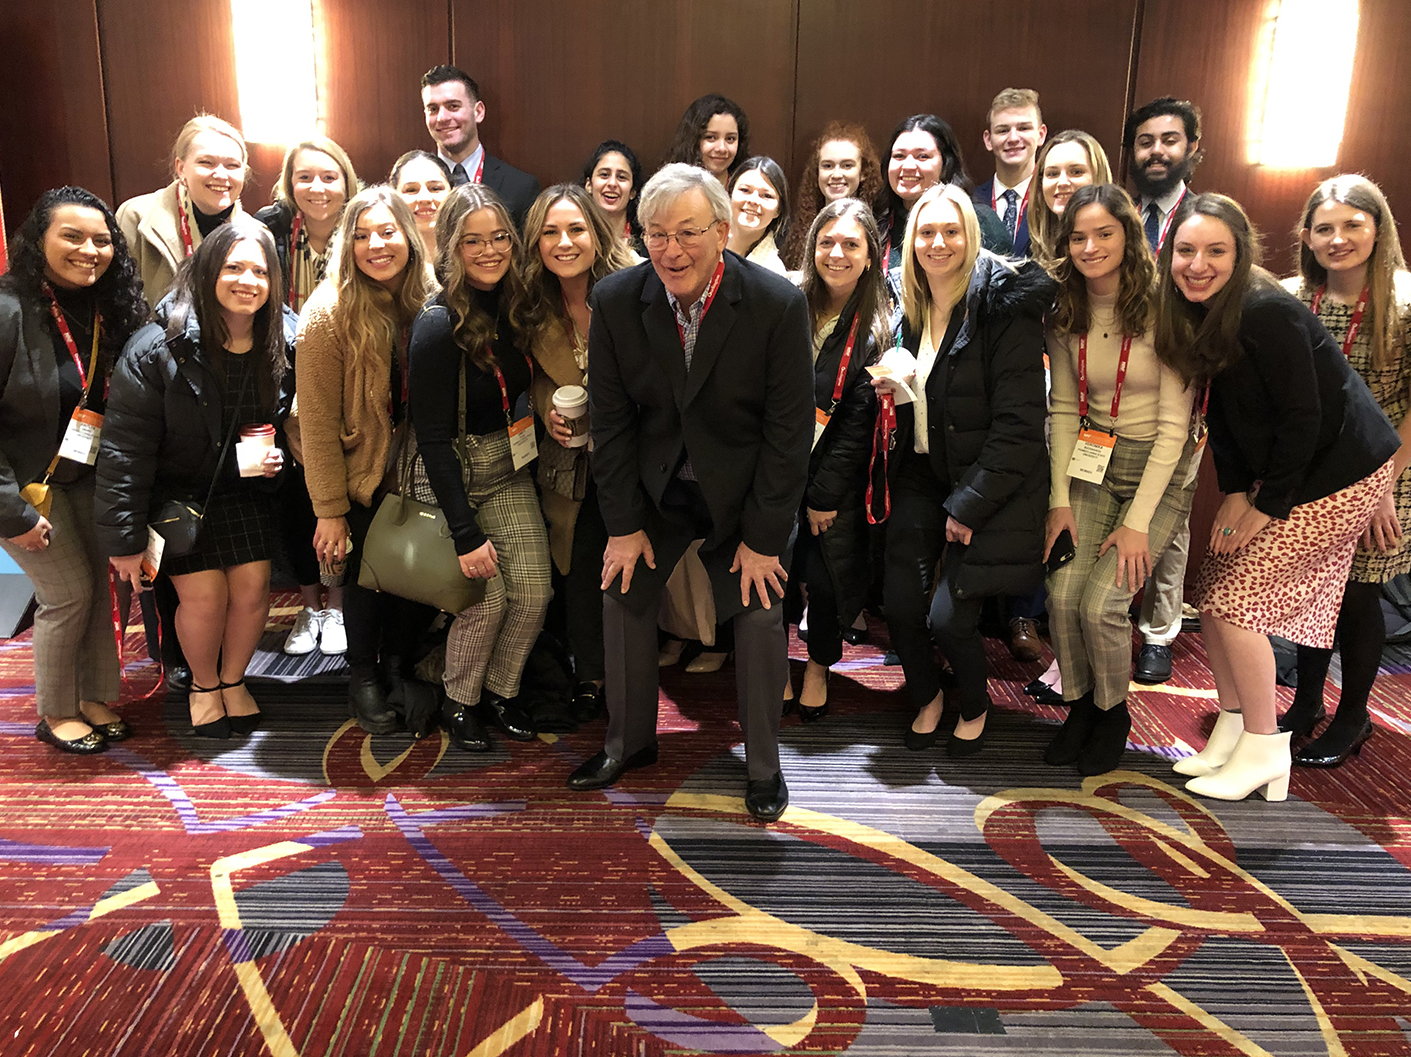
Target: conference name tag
(152, 556)
(1193, 470)
(80, 441)
(821, 419)
(1091, 455)
(524, 449)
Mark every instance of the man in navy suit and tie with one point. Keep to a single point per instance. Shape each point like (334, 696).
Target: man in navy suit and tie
(1014, 132)
(700, 399)
(451, 102)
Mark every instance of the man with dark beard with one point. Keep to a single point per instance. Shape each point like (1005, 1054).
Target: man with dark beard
(1163, 141)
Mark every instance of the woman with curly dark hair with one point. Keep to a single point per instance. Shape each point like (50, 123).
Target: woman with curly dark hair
(842, 163)
(70, 301)
(470, 366)
(714, 133)
(179, 395)
(1122, 463)
(613, 176)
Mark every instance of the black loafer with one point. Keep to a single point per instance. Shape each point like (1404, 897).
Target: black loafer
(508, 716)
(589, 702)
(603, 770)
(87, 745)
(766, 798)
(1153, 664)
(464, 727)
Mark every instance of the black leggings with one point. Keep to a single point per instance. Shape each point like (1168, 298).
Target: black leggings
(376, 622)
(583, 590)
(1361, 636)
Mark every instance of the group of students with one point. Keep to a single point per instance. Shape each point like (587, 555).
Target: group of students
(385, 336)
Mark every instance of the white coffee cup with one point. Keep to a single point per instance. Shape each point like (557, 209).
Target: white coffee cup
(571, 402)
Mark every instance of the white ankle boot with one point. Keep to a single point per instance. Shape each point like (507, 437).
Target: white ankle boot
(1259, 761)
(1228, 728)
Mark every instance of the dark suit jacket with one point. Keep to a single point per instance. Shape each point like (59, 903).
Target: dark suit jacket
(981, 197)
(517, 189)
(744, 413)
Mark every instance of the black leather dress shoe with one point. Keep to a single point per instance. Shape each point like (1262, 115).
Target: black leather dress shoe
(368, 702)
(1153, 664)
(766, 798)
(1044, 694)
(464, 727)
(179, 677)
(603, 770)
(87, 745)
(507, 715)
(1334, 745)
(589, 702)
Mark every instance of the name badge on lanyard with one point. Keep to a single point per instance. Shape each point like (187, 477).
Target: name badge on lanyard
(524, 447)
(821, 418)
(1093, 452)
(80, 443)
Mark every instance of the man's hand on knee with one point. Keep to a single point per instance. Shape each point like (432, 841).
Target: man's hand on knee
(621, 557)
(761, 570)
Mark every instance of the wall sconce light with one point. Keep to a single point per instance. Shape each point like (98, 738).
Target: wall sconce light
(275, 70)
(1300, 81)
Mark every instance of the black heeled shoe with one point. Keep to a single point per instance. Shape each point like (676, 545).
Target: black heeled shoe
(1044, 694)
(855, 636)
(219, 729)
(242, 725)
(87, 745)
(1334, 745)
(1300, 720)
(813, 713)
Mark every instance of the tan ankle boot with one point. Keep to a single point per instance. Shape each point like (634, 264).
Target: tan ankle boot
(1228, 728)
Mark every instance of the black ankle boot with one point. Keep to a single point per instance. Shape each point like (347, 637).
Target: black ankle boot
(1077, 728)
(368, 701)
(1103, 749)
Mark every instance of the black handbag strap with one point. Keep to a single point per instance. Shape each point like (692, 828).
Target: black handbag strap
(234, 417)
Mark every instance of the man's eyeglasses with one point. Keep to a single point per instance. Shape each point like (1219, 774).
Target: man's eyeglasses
(475, 246)
(686, 238)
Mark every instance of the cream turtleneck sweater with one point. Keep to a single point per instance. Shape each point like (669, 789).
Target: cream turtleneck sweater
(1156, 406)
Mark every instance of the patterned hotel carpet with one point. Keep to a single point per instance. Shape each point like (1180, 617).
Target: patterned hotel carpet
(314, 891)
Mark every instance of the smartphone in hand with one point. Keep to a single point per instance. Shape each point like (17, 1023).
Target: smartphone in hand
(1061, 553)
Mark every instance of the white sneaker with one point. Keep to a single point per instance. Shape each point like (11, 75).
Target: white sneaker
(334, 640)
(303, 637)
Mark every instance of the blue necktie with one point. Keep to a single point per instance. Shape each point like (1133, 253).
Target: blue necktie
(1011, 213)
(1153, 227)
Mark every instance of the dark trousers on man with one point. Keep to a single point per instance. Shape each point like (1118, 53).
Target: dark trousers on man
(630, 638)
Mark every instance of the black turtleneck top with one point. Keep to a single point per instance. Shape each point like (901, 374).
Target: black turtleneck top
(206, 222)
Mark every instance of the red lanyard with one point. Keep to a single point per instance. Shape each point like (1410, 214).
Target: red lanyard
(843, 366)
(711, 291)
(67, 335)
(479, 169)
(293, 249)
(499, 377)
(1083, 376)
(1166, 227)
(1023, 206)
(185, 229)
(1357, 312)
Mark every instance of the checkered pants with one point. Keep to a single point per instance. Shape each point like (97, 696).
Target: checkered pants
(1087, 611)
(489, 642)
(75, 657)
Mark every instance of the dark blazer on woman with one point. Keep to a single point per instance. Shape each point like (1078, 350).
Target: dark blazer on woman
(986, 415)
(1291, 413)
(163, 431)
(837, 467)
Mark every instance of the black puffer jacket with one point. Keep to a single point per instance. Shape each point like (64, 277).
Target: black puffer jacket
(837, 466)
(279, 218)
(162, 431)
(986, 425)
